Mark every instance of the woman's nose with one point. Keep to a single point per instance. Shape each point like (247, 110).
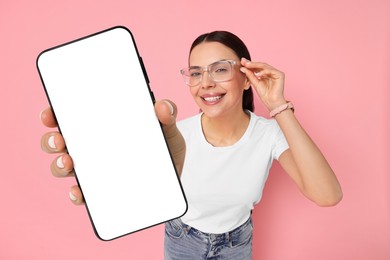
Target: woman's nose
(207, 81)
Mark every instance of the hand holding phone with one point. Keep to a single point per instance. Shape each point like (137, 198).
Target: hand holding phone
(98, 88)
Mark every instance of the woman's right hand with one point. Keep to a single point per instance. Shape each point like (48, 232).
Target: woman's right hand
(62, 165)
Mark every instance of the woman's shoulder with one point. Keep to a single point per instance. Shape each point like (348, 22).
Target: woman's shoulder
(260, 120)
(261, 124)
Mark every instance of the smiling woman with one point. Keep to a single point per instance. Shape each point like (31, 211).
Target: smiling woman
(225, 152)
(230, 150)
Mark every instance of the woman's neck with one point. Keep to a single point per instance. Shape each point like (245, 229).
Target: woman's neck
(225, 130)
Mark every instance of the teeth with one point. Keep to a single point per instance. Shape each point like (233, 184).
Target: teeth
(212, 99)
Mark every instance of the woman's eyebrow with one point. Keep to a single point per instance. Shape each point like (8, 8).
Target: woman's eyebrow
(197, 67)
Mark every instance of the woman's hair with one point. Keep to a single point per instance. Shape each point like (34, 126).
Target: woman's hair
(238, 46)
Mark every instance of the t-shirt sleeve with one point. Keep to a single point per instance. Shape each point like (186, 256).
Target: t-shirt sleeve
(280, 144)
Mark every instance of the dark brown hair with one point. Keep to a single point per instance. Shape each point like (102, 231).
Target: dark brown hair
(238, 46)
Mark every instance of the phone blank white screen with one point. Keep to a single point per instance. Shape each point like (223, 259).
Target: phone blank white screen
(103, 106)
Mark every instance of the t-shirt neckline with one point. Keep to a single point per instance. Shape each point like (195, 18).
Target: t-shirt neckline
(236, 144)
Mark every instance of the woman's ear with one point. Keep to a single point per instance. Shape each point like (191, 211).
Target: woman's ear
(247, 84)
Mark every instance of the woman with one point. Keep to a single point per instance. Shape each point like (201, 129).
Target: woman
(228, 150)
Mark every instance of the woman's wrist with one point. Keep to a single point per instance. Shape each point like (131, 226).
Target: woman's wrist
(281, 108)
(275, 104)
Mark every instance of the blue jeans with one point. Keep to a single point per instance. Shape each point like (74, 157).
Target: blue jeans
(183, 242)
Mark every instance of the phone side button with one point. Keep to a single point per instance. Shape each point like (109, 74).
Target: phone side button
(144, 70)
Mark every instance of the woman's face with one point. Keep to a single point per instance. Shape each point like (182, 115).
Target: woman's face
(217, 99)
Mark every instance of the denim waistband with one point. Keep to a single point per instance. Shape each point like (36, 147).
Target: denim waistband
(212, 236)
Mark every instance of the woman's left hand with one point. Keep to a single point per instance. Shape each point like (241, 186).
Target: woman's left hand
(267, 81)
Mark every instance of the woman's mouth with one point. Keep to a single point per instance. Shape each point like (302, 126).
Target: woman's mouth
(212, 99)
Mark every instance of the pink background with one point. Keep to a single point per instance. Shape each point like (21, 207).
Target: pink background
(336, 56)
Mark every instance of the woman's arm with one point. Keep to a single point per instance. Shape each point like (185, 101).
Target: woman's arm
(303, 161)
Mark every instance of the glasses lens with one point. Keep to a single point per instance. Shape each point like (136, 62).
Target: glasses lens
(221, 71)
(192, 76)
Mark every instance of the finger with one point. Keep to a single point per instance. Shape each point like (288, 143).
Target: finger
(76, 196)
(261, 69)
(62, 166)
(269, 73)
(47, 117)
(255, 65)
(166, 112)
(252, 70)
(53, 142)
(253, 78)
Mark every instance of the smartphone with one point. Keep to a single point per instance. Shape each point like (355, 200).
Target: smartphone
(99, 92)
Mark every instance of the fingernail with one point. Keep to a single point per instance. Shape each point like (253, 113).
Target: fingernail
(246, 60)
(170, 107)
(258, 75)
(51, 142)
(242, 69)
(59, 163)
(72, 197)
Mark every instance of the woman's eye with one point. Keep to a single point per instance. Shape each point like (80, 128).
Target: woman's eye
(195, 74)
(220, 70)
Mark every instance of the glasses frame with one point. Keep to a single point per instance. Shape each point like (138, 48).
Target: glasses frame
(206, 69)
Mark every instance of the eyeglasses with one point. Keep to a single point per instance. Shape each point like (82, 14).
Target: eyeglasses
(219, 71)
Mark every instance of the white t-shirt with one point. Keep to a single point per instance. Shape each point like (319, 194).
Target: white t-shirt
(222, 184)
